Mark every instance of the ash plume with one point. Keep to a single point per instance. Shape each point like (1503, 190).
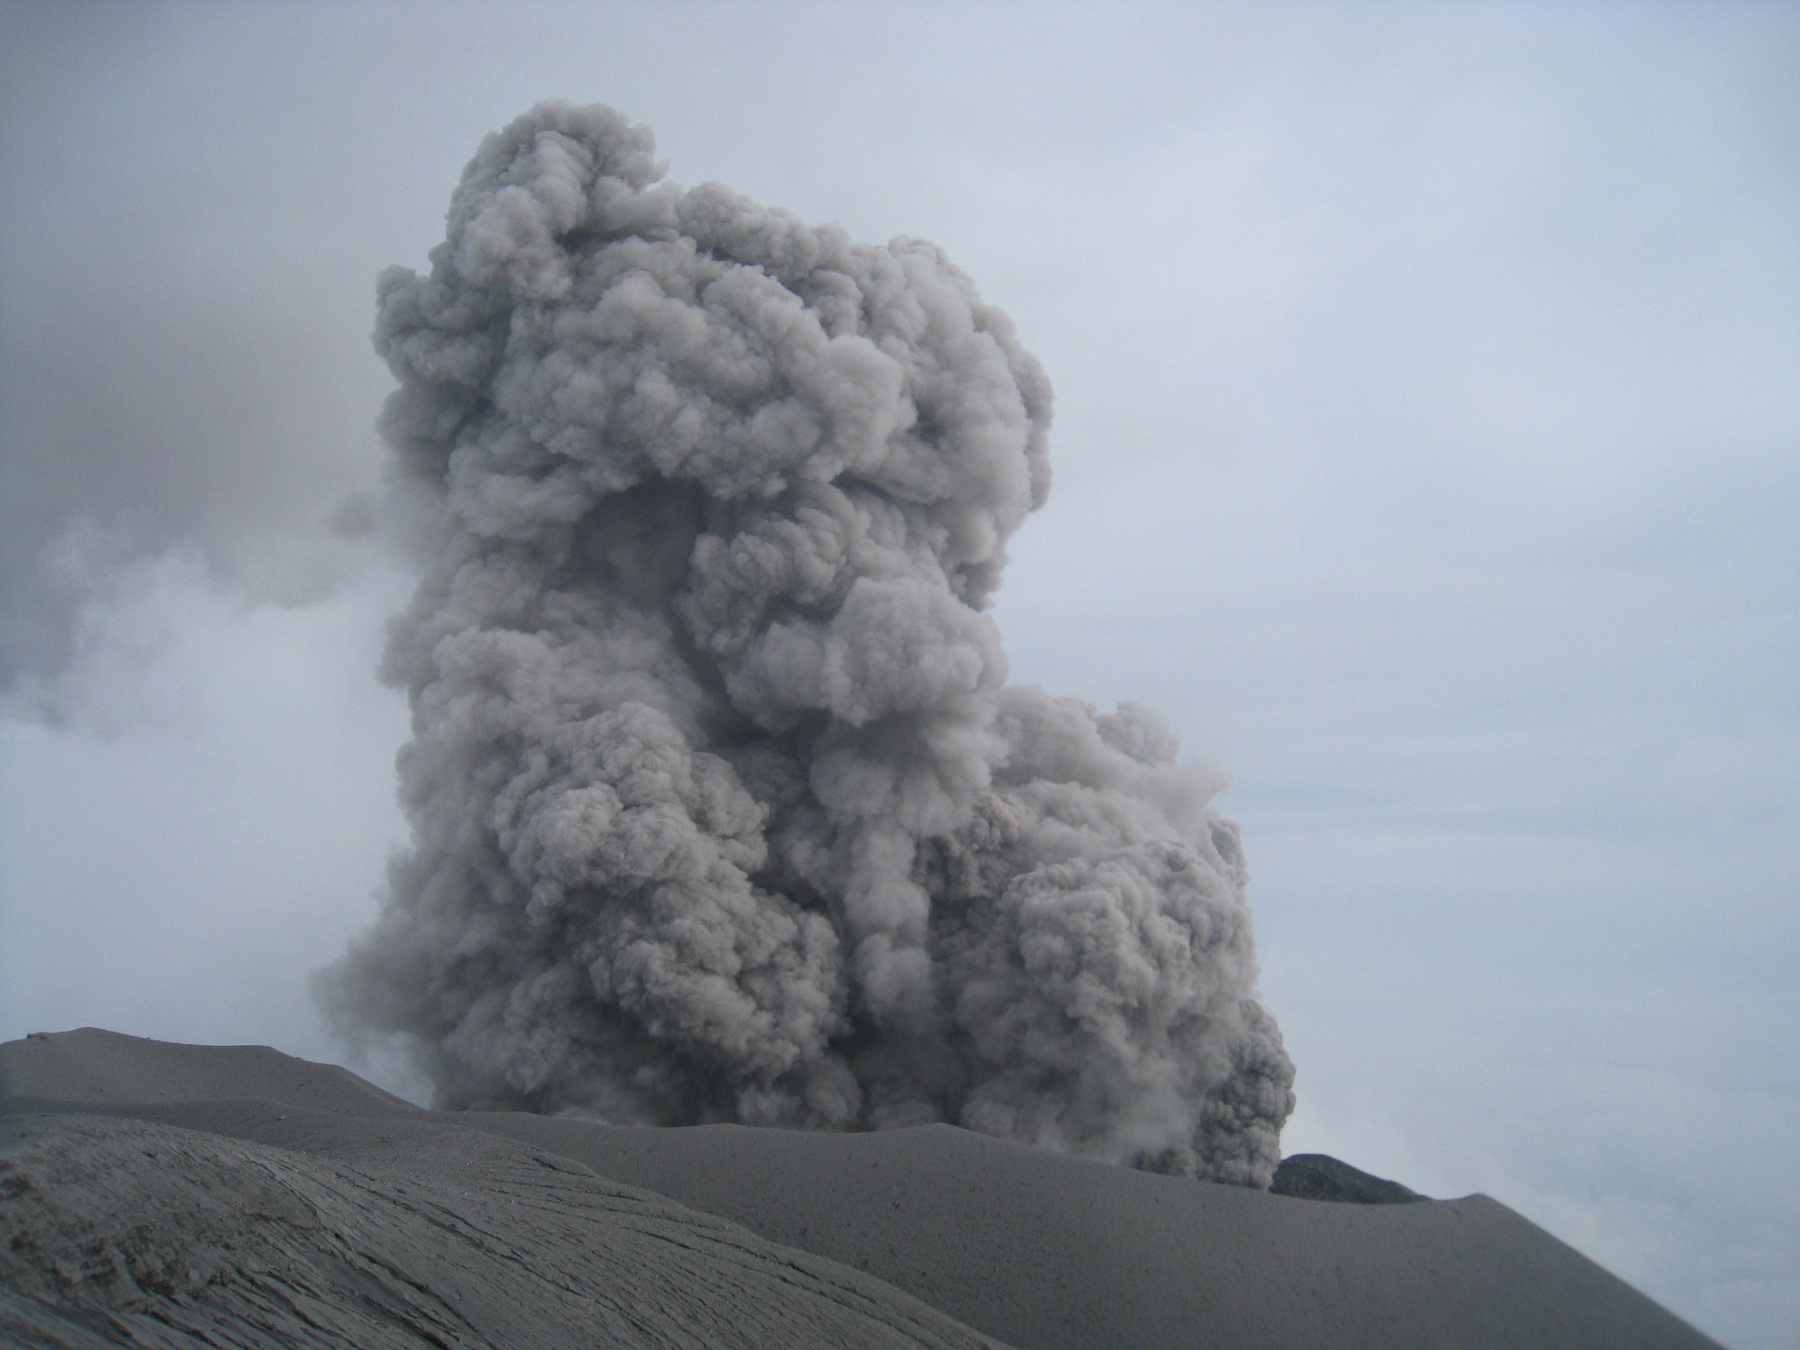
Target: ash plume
(722, 808)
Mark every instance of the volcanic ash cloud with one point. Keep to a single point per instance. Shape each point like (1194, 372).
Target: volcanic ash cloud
(722, 808)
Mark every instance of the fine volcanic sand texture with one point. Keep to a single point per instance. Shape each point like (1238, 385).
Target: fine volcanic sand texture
(1039, 1250)
(95, 1066)
(1056, 1253)
(125, 1231)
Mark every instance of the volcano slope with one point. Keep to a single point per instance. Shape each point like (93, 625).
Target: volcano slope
(175, 1195)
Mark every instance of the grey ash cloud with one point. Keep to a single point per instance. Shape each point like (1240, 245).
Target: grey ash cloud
(722, 806)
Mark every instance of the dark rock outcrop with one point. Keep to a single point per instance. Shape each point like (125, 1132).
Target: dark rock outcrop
(1319, 1176)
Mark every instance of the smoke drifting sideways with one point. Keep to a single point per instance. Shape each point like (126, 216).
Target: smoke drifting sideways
(722, 808)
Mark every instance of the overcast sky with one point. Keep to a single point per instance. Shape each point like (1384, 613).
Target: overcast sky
(1427, 449)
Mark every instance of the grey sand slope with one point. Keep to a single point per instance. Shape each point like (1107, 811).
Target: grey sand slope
(1055, 1253)
(1038, 1250)
(251, 1221)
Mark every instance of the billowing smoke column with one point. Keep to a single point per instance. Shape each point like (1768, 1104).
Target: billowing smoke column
(722, 809)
